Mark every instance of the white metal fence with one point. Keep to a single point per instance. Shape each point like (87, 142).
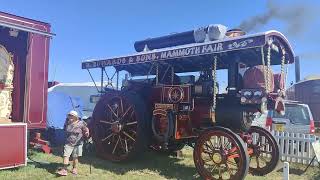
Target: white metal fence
(296, 147)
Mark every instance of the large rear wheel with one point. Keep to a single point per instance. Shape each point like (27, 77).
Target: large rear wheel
(119, 123)
(215, 152)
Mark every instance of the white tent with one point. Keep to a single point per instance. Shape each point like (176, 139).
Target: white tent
(82, 90)
(59, 104)
(69, 96)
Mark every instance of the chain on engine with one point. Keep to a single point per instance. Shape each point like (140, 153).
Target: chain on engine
(264, 66)
(284, 72)
(214, 75)
(268, 65)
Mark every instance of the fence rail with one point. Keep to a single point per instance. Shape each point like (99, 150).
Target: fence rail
(296, 147)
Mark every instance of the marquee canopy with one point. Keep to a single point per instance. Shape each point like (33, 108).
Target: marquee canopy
(198, 56)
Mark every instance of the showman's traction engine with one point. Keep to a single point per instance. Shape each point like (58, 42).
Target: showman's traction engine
(172, 98)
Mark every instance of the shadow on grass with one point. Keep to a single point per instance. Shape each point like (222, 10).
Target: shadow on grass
(313, 172)
(295, 171)
(51, 167)
(57, 150)
(169, 167)
(316, 176)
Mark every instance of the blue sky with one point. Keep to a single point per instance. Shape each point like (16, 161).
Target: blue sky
(96, 29)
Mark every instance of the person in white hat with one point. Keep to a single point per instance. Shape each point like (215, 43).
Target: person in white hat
(75, 130)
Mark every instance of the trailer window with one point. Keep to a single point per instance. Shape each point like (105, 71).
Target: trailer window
(316, 89)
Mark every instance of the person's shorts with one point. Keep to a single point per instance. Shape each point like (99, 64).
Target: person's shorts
(74, 151)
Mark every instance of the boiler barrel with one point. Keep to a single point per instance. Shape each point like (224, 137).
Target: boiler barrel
(188, 37)
(213, 32)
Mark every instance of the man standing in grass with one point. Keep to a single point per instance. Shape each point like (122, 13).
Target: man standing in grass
(74, 131)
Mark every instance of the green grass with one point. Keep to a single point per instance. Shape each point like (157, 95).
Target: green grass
(149, 166)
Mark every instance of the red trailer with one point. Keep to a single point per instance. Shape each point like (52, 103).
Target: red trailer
(308, 92)
(24, 55)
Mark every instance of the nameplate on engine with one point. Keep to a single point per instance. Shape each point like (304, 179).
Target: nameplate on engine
(163, 106)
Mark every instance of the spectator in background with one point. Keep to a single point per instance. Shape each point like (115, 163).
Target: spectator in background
(75, 131)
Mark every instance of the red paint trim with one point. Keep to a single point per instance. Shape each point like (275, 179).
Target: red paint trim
(13, 154)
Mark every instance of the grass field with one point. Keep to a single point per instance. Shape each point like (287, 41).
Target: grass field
(149, 166)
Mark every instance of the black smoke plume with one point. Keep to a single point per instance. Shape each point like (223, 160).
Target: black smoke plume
(297, 17)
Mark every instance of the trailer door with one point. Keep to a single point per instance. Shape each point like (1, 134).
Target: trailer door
(37, 81)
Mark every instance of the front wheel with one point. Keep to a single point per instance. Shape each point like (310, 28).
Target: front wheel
(263, 150)
(215, 152)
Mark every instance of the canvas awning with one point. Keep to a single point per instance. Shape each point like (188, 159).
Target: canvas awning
(197, 56)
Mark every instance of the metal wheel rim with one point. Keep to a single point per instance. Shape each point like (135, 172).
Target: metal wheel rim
(118, 130)
(228, 168)
(264, 152)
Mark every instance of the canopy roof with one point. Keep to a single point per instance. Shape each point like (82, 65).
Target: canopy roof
(198, 56)
(25, 24)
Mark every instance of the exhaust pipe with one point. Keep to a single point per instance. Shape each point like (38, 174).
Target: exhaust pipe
(297, 68)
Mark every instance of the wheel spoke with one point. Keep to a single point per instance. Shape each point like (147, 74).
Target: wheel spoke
(112, 111)
(212, 146)
(106, 122)
(132, 113)
(226, 144)
(220, 142)
(132, 123)
(263, 145)
(121, 143)
(207, 163)
(259, 139)
(107, 137)
(233, 153)
(228, 169)
(125, 140)
(208, 147)
(121, 105)
(267, 152)
(126, 134)
(232, 163)
(257, 160)
(115, 147)
(207, 151)
(262, 158)
(214, 167)
(124, 114)
(206, 160)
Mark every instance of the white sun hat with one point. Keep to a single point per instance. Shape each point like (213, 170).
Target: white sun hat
(73, 113)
